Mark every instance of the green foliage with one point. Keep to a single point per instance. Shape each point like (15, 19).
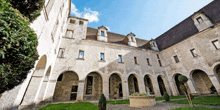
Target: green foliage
(208, 100)
(182, 79)
(71, 106)
(18, 44)
(102, 102)
(166, 97)
(29, 8)
(117, 86)
(126, 101)
(192, 96)
(137, 94)
(194, 108)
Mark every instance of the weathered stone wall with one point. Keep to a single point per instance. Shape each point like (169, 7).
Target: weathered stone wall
(113, 91)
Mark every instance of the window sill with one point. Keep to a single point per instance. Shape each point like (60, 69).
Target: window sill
(136, 64)
(101, 61)
(80, 59)
(121, 62)
(67, 37)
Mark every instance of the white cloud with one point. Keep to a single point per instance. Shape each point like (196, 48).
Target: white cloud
(108, 28)
(92, 16)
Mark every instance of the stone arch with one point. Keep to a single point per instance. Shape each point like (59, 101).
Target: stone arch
(177, 83)
(202, 82)
(161, 84)
(93, 86)
(133, 81)
(148, 83)
(66, 86)
(115, 80)
(216, 71)
(30, 95)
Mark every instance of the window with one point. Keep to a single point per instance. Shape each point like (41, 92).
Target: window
(72, 21)
(216, 44)
(200, 20)
(60, 78)
(102, 56)
(89, 85)
(69, 34)
(119, 58)
(80, 23)
(102, 33)
(158, 56)
(193, 52)
(73, 94)
(81, 54)
(148, 62)
(176, 59)
(49, 6)
(159, 63)
(61, 53)
(135, 60)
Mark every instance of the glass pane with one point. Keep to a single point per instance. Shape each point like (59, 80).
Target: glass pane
(101, 56)
(119, 58)
(102, 33)
(81, 53)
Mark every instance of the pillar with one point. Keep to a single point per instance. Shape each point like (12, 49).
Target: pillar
(50, 89)
(141, 85)
(80, 91)
(106, 86)
(174, 88)
(125, 89)
(192, 87)
(156, 89)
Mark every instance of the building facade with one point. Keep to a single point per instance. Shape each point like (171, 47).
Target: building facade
(80, 63)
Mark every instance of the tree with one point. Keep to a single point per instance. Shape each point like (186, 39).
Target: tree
(18, 43)
(29, 8)
(183, 79)
(102, 102)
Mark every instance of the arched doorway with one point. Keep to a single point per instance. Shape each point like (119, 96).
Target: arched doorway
(133, 84)
(114, 83)
(35, 82)
(93, 86)
(202, 82)
(148, 84)
(161, 85)
(217, 71)
(178, 83)
(66, 87)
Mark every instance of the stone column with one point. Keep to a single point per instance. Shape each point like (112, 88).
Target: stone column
(156, 89)
(125, 89)
(215, 82)
(42, 92)
(192, 87)
(141, 85)
(80, 91)
(50, 89)
(106, 87)
(174, 88)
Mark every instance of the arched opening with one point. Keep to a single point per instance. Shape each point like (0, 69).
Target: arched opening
(93, 86)
(202, 82)
(217, 71)
(115, 86)
(148, 84)
(161, 85)
(178, 84)
(66, 87)
(133, 84)
(35, 82)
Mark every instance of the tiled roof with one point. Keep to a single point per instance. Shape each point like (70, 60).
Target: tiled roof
(186, 28)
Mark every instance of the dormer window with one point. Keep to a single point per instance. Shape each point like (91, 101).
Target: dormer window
(102, 33)
(80, 23)
(72, 21)
(200, 20)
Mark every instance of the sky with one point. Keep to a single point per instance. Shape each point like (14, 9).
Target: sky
(147, 19)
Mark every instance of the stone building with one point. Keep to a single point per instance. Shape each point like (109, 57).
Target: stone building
(80, 63)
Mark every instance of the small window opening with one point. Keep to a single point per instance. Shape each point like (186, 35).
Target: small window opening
(72, 21)
(81, 54)
(200, 20)
(193, 53)
(148, 62)
(80, 23)
(102, 33)
(89, 85)
(159, 63)
(61, 53)
(119, 58)
(102, 56)
(135, 60)
(176, 59)
(216, 44)
(158, 56)
(60, 78)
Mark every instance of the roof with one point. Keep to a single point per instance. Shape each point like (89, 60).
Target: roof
(114, 38)
(186, 28)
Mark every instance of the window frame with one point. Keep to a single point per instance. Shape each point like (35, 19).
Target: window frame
(198, 20)
(79, 54)
(81, 23)
(193, 54)
(135, 60)
(120, 58)
(148, 61)
(213, 42)
(102, 33)
(176, 59)
(62, 54)
(103, 57)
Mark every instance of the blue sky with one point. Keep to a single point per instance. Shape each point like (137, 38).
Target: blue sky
(145, 18)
